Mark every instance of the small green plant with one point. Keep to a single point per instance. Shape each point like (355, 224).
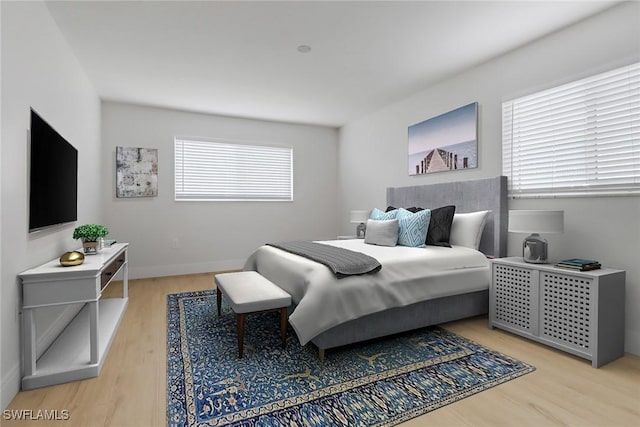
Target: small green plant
(90, 232)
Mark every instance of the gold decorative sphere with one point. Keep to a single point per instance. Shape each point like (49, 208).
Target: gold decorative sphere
(69, 259)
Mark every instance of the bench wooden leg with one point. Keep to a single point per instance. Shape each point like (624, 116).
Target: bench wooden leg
(240, 325)
(283, 326)
(218, 299)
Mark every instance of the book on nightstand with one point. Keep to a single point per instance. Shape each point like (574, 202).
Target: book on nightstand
(579, 264)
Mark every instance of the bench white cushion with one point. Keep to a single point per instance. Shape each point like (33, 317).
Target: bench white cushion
(248, 291)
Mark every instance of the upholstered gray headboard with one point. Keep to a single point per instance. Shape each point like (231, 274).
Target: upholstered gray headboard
(467, 196)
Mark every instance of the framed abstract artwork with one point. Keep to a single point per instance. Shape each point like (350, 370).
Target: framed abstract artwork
(445, 142)
(136, 172)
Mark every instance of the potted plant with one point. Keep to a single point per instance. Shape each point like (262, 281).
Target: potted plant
(90, 234)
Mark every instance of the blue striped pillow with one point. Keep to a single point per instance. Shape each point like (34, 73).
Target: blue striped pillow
(413, 227)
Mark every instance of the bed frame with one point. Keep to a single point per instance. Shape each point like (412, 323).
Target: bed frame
(467, 196)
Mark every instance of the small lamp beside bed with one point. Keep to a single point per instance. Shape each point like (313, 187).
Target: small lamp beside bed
(534, 247)
(360, 218)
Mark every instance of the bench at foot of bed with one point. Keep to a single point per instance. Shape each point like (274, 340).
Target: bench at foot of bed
(248, 293)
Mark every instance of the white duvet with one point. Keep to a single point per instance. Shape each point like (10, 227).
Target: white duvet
(408, 275)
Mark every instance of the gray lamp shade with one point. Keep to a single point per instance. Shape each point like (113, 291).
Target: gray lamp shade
(534, 247)
(536, 221)
(357, 217)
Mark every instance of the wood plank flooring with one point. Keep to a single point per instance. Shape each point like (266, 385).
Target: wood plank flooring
(131, 390)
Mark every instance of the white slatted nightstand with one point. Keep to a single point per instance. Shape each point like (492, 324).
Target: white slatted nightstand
(580, 312)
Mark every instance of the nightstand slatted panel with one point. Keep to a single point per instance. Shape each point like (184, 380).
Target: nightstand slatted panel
(513, 296)
(566, 309)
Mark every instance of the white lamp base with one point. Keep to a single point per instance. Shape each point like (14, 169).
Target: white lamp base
(534, 249)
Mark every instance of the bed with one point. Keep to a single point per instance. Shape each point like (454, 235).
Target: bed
(399, 297)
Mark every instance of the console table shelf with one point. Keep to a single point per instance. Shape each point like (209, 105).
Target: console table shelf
(80, 350)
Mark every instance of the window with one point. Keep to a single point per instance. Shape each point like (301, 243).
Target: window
(223, 170)
(579, 139)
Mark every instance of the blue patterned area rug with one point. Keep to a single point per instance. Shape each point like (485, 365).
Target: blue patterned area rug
(381, 382)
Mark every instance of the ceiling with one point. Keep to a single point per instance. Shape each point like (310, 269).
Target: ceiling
(240, 58)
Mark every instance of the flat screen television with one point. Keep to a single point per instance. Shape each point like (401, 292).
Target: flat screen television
(53, 177)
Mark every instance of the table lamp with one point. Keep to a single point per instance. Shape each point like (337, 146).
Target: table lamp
(360, 218)
(534, 247)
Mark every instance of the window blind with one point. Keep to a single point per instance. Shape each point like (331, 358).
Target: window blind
(579, 139)
(220, 170)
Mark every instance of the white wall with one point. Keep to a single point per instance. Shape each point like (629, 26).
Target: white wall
(40, 71)
(373, 149)
(168, 237)
(2, 402)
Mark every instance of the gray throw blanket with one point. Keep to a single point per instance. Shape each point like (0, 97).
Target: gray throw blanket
(342, 262)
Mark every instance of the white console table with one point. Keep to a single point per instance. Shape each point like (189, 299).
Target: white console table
(81, 348)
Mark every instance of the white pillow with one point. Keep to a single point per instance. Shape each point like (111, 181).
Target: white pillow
(466, 229)
(383, 233)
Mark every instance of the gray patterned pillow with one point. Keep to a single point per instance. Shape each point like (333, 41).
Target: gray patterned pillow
(382, 233)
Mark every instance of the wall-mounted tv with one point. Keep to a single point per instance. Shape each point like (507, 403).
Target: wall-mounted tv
(53, 173)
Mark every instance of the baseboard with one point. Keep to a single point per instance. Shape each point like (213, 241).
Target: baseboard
(180, 269)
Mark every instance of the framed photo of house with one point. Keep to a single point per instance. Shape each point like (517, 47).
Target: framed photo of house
(136, 172)
(445, 142)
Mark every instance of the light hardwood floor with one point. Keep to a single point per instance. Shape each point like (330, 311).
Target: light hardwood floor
(131, 389)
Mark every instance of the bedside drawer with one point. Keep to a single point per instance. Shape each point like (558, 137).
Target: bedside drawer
(111, 270)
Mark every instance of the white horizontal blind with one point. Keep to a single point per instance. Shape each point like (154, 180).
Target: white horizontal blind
(220, 170)
(579, 139)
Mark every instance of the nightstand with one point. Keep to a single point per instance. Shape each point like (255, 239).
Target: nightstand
(580, 312)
